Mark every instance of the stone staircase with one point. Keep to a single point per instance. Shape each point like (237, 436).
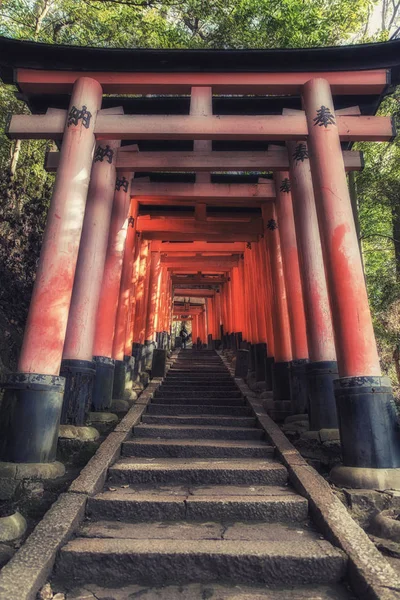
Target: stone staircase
(198, 508)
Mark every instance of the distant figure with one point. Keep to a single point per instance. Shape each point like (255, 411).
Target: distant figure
(184, 335)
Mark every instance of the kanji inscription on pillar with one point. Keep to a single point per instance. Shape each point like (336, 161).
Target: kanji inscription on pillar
(75, 115)
(104, 153)
(324, 117)
(272, 225)
(285, 186)
(121, 183)
(300, 153)
(131, 221)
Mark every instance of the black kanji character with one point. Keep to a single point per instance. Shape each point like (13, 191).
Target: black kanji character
(75, 115)
(285, 185)
(324, 117)
(248, 245)
(102, 153)
(301, 152)
(272, 225)
(131, 221)
(122, 183)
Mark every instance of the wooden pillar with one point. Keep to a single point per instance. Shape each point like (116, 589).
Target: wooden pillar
(322, 369)
(77, 365)
(282, 340)
(155, 266)
(132, 298)
(30, 434)
(367, 417)
(125, 290)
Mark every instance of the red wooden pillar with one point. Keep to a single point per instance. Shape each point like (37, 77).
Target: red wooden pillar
(155, 267)
(322, 369)
(125, 289)
(33, 397)
(287, 232)
(266, 284)
(218, 313)
(132, 298)
(108, 303)
(282, 340)
(77, 365)
(367, 420)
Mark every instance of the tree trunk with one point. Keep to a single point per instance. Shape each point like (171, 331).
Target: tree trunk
(396, 234)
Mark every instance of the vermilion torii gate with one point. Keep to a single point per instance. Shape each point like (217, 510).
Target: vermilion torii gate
(223, 178)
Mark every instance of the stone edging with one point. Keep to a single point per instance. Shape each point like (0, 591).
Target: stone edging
(28, 570)
(370, 575)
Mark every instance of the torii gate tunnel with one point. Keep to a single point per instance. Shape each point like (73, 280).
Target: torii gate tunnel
(208, 184)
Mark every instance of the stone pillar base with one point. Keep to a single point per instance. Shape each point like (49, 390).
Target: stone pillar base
(366, 478)
(323, 435)
(102, 421)
(81, 434)
(19, 471)
(12, 527)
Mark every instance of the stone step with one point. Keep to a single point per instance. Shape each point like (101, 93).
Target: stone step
(226, 503)
(198, 471)
(198, 386)
(213, 591)
(292, 561)
(200, 420)
(221, 401)
(200, 378)
(198, 409)
(198, 432)
(196, 448)
(163, 393)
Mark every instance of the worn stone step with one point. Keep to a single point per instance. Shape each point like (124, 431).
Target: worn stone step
(226, 503)
(162, 561)
(197, 432)
(199, 471)
(196, 448)
(221, 401)
(200, 420)
(201, 378)
(163, 393)
(211, 591)
(198, 409)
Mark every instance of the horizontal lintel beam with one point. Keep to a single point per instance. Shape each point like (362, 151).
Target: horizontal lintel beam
(212, 194)
(194, 293)
(174, 236)
(188, 162)
(186, 127)
(173, 224)
(35, 81)
(171, 249)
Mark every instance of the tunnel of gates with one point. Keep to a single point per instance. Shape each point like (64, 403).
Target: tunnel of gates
(207, 187)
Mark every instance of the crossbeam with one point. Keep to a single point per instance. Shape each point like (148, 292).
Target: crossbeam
(193, 293)
(212, 194)
(189, 226)
(197, 280)
(172, 236)
(184, 127)
(182, 261)
(32, 81)
(172, 249)
(272, 160)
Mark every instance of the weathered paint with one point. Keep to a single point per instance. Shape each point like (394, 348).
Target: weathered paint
(321, 344)
(282, 341)
(354, 336)
(152, 304)
(108, 304)
(124, 299)
(294, 293)
(46, 325)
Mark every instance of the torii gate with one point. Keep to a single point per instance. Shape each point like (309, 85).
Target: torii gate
(107, 274)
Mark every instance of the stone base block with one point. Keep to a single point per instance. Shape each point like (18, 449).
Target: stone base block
(366, 478)
(81, 434)
(102, 421)
(322, 436)
(20, 471)
(12, 527)
(120, 406)
(295, 418)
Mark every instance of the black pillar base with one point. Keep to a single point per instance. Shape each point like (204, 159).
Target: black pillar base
(269, 365)
(79, 377)
(217, 344)
(252, 358)
(119, 380)
(322, 405)
(103, 383)
(178, 342)
(239, 339)
(29, 417)
(260, 359)
(281, 381)
(159, 364)
(299, 386)
(368, 425)
(209, 341)
(137, 356)
(148, 350)
(242, 363)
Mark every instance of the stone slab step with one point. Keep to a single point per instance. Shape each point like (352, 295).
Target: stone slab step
(199, 471)
(200, 420)
(266, 503)
(159, 561)
(198, 409)
(220, 401)
(210, 591)
(197, 432)
(201, 385)
(175, 393)
(196, 448)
